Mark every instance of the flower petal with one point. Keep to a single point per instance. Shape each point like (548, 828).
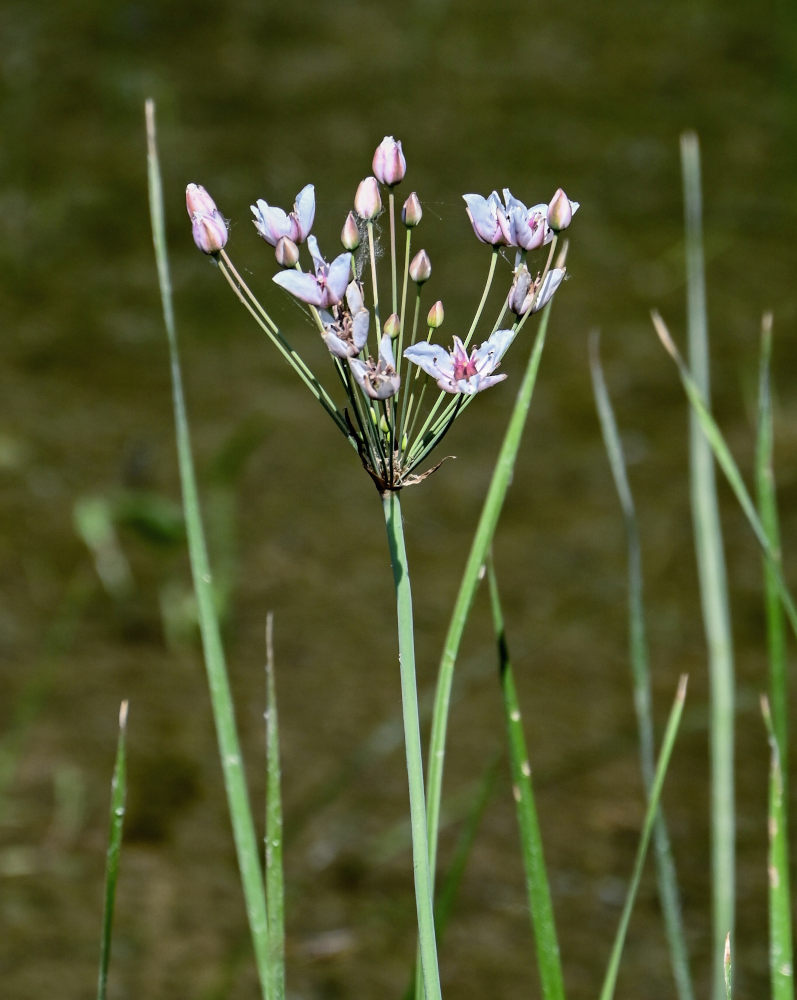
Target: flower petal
(303, 286)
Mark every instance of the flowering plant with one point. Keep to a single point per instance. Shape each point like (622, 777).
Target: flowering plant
(380, 361)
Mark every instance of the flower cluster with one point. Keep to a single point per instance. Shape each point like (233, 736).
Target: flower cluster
(384, 418)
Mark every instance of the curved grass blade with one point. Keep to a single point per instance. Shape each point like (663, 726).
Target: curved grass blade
(609, 983)
(537, 888)
(218, 682)
(482, 539)
(118, 796)
(665, 863)
(726, 462)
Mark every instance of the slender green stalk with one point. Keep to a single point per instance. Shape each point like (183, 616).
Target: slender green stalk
(537, 888)
(781, 957)
(712, 577)
(412, 740)
(118, 795)
(731, 471)
(275, 886)
(665, 863)
(610, 981)
(767, 505)
(488, 520)
(218, 683)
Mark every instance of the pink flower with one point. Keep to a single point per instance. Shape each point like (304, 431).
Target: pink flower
(324, 289)
(377, 379)
(272, 223)
(456, 371)
(488, 218)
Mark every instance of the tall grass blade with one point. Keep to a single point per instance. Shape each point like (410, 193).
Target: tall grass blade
(537, 888)
(482, 539)
(665, 863)
(218, 682)
(781, 958)
(767, 505)
(610, 981)
(118, 796)
(711, 575)
(275, 885)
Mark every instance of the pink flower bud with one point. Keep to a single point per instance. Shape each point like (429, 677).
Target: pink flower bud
(392, 326)
(420, 267)
(286, 252)
(412, 212)
(368, 201)
(389, 162)
(350, 235)
(435, 316)
(207, 223)
(560, 211)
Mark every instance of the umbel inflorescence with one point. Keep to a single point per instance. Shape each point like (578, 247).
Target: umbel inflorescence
(377, 352)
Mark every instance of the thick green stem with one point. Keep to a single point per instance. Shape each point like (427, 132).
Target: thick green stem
(412, 740)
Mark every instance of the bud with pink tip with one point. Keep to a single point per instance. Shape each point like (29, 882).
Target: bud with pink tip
(368, 201)
(207, 223)
(389, 162)
(392, 326)
(560, 211)
(412, 212)
(286, 252)
(350, 235)
(420, 267)
(435, 317)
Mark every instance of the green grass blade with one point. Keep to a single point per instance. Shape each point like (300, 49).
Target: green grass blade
(482, 539)
(711, 576)
(118, 795)
(730, 469)
(665, 863)
(610, 981)
(781, 958)
(218, 682)
(767, 505)
(537, 888)
(275, 885)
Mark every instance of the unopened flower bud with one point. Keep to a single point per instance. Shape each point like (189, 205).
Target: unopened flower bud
(350, 236)
(392, 326)
(286, 252)
(518, 299)
(412, 212)
(368, 201)
(436, 315)
(198, 201)
(420, 267)
(384, 426)
(389, 162)
(207, 223)
(560, 211)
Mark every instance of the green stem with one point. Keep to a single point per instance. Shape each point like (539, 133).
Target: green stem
(412, 740)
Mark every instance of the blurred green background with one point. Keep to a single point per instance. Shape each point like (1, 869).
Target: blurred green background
(256, 100)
